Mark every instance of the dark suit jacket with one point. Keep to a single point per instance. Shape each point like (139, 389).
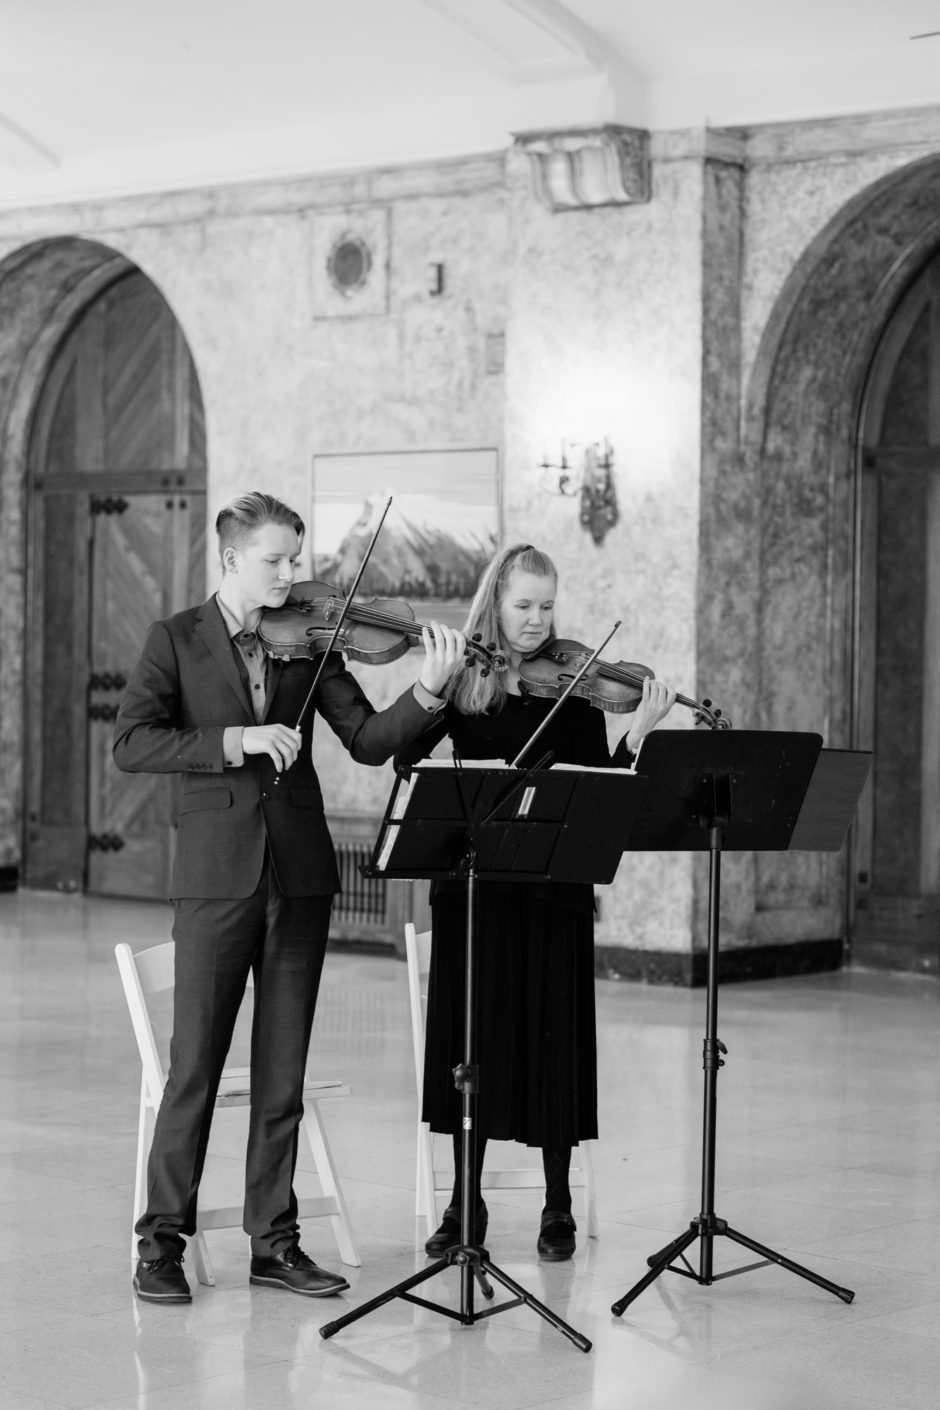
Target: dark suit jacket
(185, 690)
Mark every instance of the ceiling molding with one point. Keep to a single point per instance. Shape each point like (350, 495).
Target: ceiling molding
(550, 43)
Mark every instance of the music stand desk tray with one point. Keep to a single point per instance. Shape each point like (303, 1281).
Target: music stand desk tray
(775, 791)
(563, 824)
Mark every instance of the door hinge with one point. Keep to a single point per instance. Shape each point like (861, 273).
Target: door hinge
(104, 842)
(108, 505)
(107, 680)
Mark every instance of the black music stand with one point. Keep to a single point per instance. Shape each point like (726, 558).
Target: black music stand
(747, 791)
(477, 823)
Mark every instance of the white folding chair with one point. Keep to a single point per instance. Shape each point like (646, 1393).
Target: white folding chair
(148, 973)
(430, 1181)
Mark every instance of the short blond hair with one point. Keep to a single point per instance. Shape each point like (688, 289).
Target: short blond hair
(242, 517)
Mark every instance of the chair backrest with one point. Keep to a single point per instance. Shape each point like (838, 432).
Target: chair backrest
(418, 957)
(144, 975)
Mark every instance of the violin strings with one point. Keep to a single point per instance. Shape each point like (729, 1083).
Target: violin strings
(369, 617)
(609, 671)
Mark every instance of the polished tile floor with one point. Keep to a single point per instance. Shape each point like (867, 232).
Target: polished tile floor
(828, 1151)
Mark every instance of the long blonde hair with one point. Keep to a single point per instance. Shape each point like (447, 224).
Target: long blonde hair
(469, 690)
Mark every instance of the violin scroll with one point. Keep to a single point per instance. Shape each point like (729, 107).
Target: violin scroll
(710, 716)
(489, 657)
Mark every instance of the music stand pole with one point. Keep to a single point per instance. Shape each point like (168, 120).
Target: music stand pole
(715, 816)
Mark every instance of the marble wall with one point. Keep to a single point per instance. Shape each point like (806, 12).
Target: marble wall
(604, 341)
(715, 334)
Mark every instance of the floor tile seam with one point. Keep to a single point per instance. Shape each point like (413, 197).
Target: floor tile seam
(877, 1319)
(126, 1400)
(428, 1398)
(864, 1212)
(44, 1403)
(803, 1130)
(116, 1350)
(834, 1249)
(847, 1336)
(868, 1226)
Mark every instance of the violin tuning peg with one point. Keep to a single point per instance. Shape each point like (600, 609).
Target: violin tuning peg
(477, 636)
(484, 673)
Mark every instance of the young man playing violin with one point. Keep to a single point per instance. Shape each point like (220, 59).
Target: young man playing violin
(254, 877)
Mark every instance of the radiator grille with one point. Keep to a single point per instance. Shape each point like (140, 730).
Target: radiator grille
(363, 900)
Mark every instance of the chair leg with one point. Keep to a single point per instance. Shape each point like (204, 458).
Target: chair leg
(145, 1123)
(329, 1182)
(590, 1200)
(202, 1263)
(425, 1198)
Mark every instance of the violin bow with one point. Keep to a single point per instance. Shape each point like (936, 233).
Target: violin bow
(340, 620)
(563, 697)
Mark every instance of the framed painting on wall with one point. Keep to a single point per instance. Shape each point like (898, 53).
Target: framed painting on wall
(440, 531)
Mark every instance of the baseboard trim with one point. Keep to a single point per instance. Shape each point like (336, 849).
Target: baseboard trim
(689, 970)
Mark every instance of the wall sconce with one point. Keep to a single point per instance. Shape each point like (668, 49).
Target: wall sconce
(587, 475)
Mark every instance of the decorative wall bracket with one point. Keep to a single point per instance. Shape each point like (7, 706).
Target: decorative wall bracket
(588, 166)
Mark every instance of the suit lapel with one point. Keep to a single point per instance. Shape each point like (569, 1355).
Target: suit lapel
(211, 628)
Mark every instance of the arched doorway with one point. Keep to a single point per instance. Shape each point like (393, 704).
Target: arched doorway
(116, 538)
(897, 918)
(831, 365)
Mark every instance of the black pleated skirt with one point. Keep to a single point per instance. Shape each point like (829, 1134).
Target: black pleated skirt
(536, 1042)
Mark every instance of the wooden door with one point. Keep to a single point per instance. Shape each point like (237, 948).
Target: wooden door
(897, 882)
(118, 540)
(145, 552)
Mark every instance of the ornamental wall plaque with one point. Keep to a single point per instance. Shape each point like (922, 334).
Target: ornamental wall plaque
(349, 254)
(348, 264)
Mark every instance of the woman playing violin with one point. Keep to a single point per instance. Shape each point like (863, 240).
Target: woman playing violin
(536, 1035)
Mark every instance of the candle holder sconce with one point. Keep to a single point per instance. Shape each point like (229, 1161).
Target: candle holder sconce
(586, 473)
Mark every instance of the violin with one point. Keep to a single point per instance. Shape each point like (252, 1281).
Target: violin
(374, 632)
(618, 687)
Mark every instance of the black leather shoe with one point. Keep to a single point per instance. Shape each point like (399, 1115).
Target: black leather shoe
(162, 1280)
(556, 1236)
(290, 1268)
(448, 1235)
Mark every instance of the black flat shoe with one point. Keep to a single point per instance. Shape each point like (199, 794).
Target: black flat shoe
(448, 1235)
(556, 1235)
(290, 1268)
(162, 1280)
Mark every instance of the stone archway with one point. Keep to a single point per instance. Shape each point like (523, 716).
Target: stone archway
(45, 289)
(801, 456)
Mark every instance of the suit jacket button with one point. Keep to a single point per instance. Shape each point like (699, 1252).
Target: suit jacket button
(264, 797)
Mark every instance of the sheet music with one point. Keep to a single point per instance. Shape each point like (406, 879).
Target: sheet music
(463, 764)
(592, 768)
(399, 806)
(398, 810)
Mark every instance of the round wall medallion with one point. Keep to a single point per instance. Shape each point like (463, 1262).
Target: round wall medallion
(348, 264)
